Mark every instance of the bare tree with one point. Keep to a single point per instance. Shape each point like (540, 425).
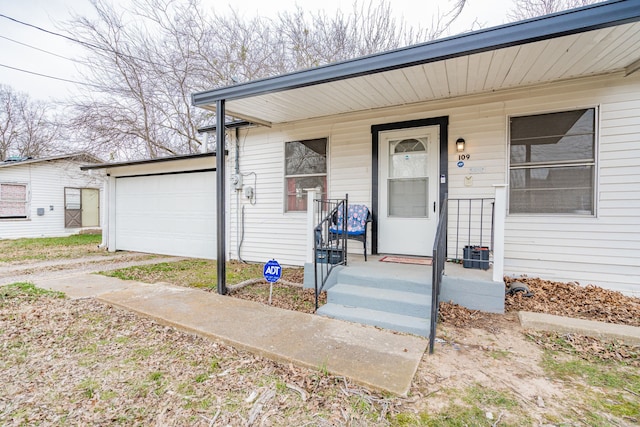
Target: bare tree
(525, 9)
(27, 128)
(144, 63)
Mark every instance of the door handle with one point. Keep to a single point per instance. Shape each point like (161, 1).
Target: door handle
(434, 206)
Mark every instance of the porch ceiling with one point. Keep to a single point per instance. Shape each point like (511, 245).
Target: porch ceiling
(582, 53)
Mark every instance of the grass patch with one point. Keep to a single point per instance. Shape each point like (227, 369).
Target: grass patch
(197, 273)
(487, 397)
(598, 374)
(47, 248)
(469, 407)
(617, 383)
(453, 416)
(192, 273)
(26, 291)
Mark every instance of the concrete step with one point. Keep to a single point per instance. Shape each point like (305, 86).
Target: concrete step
(397, 322)
(388, 300)
(400, 277)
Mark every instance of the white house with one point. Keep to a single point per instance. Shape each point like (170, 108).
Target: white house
(548, 106)
(529, 133)
(49, 197)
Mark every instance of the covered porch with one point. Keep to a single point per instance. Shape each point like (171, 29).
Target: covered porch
(403, 296)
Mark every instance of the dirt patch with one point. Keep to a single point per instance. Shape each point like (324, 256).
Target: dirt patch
(572, 300)
(502, 361)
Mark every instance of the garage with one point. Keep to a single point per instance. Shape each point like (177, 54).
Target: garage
(170, 214)
(163, 206)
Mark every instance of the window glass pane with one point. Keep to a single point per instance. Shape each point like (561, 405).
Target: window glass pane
(552, 190)
(72, 198)
(555, 137)
(553, 124)
(408, 165)
(306, 157)
(408, 197)
(407, 146)
(564, 140)
(14, 192)
(407, 158)
(13, 209)
(553, 149)
(297, 197)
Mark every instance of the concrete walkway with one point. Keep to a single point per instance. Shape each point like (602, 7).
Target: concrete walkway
(603, 330)
(379, 359)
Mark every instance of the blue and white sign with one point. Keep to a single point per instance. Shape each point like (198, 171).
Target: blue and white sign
(272, 271)
(460, 164)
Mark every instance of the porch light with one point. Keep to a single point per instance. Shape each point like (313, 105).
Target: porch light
(460, 145)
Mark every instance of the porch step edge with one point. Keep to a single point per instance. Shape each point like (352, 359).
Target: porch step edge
(373, 278)
(384, 300)
(392, 321)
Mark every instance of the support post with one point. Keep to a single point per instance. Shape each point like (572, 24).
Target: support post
(500, 213)
(221, 258)
(311, 196)
(111, 214)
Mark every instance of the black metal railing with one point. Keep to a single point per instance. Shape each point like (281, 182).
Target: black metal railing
(329, 239)
(437, 269)
(472, 239)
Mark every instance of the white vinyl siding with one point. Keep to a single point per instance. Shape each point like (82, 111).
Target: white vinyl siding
(46, 182)
(602, 249)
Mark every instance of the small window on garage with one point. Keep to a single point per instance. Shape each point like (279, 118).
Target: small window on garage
(13, 201)
(552, 163)
(305, 167)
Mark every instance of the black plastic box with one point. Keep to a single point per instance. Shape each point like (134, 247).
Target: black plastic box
(330, 255)
(476, 257)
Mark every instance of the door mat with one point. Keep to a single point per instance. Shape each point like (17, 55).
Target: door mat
(406, 260)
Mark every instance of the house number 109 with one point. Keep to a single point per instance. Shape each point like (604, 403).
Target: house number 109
(464, 157)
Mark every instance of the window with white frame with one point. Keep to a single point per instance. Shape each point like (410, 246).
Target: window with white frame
(13, 201)
(305, 167)
(553, 163)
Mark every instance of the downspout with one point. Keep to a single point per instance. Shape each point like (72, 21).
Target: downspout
(239, 239)
(221, 258)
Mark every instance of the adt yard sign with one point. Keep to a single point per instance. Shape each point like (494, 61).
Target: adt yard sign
(272, 271)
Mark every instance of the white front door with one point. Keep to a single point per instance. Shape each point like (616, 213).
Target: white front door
(408, 190)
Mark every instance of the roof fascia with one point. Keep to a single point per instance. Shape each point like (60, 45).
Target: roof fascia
(588, 18)
(53, 158)
(147, 161)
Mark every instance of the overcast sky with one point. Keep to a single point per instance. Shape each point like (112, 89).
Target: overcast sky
(45, 14)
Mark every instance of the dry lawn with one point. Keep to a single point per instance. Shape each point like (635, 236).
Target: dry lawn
(81, 362)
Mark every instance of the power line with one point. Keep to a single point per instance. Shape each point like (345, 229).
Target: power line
(51, 77)
(50, 32)
(109, 50)
(41, 50)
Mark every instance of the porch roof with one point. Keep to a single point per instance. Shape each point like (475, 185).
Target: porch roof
(596, 39)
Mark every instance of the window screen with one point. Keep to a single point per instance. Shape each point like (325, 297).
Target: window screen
(552, 163)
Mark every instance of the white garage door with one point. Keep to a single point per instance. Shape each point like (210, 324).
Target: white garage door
(172, 214)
